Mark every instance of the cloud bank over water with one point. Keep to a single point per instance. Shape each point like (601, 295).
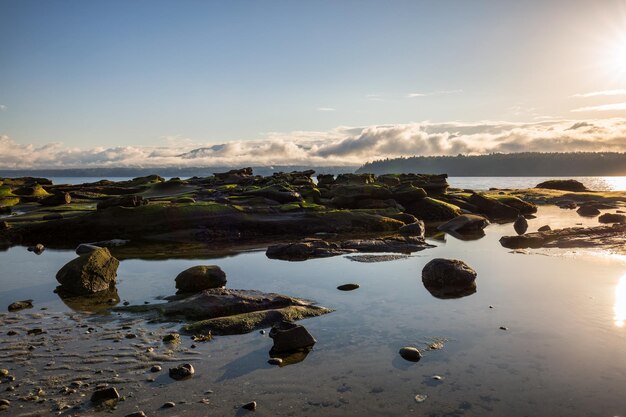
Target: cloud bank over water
(339, 146)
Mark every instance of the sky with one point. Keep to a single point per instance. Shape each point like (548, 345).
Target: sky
(153, 82)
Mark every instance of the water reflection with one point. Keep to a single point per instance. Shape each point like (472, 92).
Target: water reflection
(447, 292)
(99, 302)
(620, 302)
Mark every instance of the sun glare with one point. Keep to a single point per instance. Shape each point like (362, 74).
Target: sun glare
(618, 56)
(619, 308)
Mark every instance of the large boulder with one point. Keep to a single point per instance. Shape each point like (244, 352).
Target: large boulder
(199, 278)
(56, 200)
(89, 273)
(407, 193)
(563, 185)
(441, 272)
(493, 208)
(433, 210)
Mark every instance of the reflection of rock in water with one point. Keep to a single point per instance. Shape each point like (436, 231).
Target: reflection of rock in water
(95, 303)
(474, 235)
(451, 291)
(291, 358)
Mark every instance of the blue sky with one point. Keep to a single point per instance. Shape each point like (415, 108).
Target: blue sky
(89, 74)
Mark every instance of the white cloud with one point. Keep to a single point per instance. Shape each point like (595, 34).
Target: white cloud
(602, 107)
(618, 92)
(340, 146)
(325, 109)
(434, 93)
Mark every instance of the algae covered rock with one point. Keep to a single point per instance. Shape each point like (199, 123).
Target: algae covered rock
(465, 223)
(89, 273)
(563, 185)
(200, 277)
(430, 209)
(448, 272)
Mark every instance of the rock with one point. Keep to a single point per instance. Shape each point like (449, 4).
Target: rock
(181, 372)
(544, 228)
(300, 251)
(89, 273)
(103, 395)
(156, 368)
(37, 249)
(289, 336)
(171, 338)
(200, 277)
(520, 225)
(407, 193)
(84, 248)
(441, 272)
(432, 210)
(275, 361)
(399, 244)
(169, 404)
(606, 237)
(53, 216)
(413, 229)
(420, 398)
(348, 287)
(4, 404)
(4, 373)
(563, 185)
(21, 305)
(123, 201)
(4, 225)
(588, 211)
(493, 208)
(410, 354)
(56, 200)
(250, 406)
(136, 414)
(465, 223)
(612, 218)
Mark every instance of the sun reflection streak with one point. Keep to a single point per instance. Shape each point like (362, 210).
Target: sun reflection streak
(619, 308)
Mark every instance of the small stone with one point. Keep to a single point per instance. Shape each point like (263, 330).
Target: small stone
(348, 287)
(4, 372)
(169, 404)
(11, 378)
(262, 331)
(5, 403)
(275, 361)
(10, 388)
(193, 346)
(490, 306)
(182, 372)
(437, 377)
(171, 338)
(105, 394)
(31, 347)
(136, 414)
(544, 228)
(131, 336)
(150, 349)
(35, 332)
(250, 406)
(410, 354)
(504, 328)
(126, 303)
(156, 368)
(420, 398)
(11, 333)
(21, 305)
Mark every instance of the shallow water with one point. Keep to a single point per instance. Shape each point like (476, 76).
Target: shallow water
(564, 353)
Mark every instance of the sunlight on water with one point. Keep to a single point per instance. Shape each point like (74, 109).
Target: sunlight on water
(615, 183)
(620, 302)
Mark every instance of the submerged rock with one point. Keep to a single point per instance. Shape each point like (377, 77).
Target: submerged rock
(520, 225)
(612, 218)
(348, 287)
(289, 336)
(588, 211)
(21, 305)
(606, 237)
(410, 354)
(89, 273)
(200, 277)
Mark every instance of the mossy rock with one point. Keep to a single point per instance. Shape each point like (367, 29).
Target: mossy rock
(6, 191)
(522, 206)
(9, 201)
(433, 210)
(31, 191)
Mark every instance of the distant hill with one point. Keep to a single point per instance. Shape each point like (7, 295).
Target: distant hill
(164, 171)
(528, 164)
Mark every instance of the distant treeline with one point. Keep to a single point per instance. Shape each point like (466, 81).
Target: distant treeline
(163, 171)
(527, 164)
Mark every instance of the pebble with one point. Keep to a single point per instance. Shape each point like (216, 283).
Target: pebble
(504, 328)
(437, 377)
(136, 414)
(5, 403)
(106, 394)
(169, 404)
(131, 336)
(172, 338)
(420, 398)
(182, 372)
(156, 368)
(348, 287)
(35, 331)
(275, 361)
(250, 406)
(410, 354)
(11, 333)
(4, 372)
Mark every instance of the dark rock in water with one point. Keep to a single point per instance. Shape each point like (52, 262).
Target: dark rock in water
(171, 338)
(376, 258)
(123, 201)
(136, 414)
(449, 292)
(441, 272)
(413, 229)
(56, 200)
(21, 305)
(563, 185)
(4, 225)
(410, 354)
(275, 361)
(544, 228)
(251, 406)
(89, 273)
(606, 237)
(612, 218)
(181, 372)
(588, 211)
(103, 395)
(306, 249)
(520, 225)
(200, 277)
(430, 209)
(156, 368)
(348, 287)
(465, 223)
(493, 208)
(398, 244)
(169, 404)
(53, 216)
(37, 249)
(84, 248)
(289, 336)
(227, 311)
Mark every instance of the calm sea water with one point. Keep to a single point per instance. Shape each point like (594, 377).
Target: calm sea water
(564, 353)
(475, 183)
